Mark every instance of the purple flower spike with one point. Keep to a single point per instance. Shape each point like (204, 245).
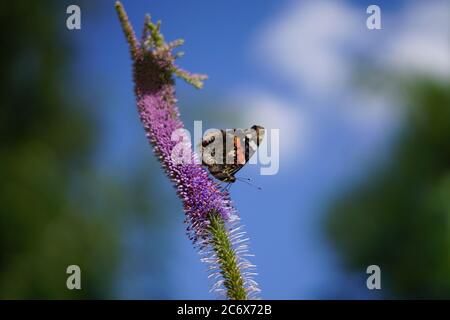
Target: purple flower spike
(155, 92)
(210, 216)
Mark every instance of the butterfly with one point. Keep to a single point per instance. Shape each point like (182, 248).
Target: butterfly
(225, 152)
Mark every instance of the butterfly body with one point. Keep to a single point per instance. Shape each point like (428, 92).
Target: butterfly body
(225, 152)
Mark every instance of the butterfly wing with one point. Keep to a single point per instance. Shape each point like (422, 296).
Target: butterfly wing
(244, 145)
(253, 139)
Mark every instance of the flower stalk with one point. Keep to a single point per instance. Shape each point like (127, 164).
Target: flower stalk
(212, 221)
(226, 258)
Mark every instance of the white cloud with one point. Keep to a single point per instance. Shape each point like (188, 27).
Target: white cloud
(313, 47)
(313, 44)
(306, 44)
(372, 113)
(421, 42)
(273, 112)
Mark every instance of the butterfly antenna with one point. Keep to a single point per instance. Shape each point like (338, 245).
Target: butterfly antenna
(247, 181)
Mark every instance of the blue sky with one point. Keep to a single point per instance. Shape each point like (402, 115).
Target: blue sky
(284, 64)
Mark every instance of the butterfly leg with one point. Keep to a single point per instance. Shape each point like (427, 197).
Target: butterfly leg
(224, 186)
(228, 186)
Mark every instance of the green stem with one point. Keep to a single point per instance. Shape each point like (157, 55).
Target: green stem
(226, 258)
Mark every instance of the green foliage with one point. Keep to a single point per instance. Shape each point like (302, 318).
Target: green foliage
(45, 143)
(55, 210)
(399, 218)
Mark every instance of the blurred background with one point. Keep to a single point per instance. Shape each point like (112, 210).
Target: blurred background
(364, 119)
